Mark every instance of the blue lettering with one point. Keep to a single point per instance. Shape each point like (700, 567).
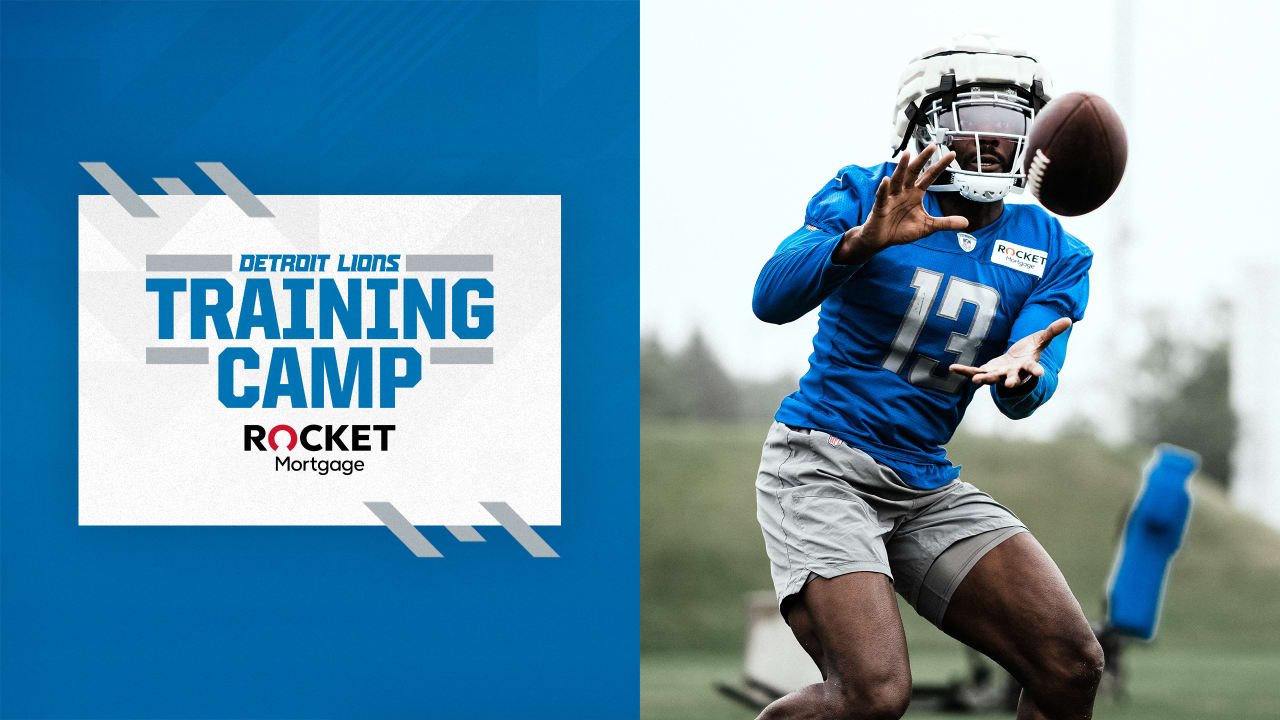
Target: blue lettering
(483, 314)
(164, 289)
(298, 328)
(217, 312)
(257, 294)
(389, 380)
(330, 302)
(382, 288)
(416, 306)
(284, 377)
(226, 377)
(324, 370)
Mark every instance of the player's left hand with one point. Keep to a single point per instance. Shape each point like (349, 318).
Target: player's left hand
(1020, 363)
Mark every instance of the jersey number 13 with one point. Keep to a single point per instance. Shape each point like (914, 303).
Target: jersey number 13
(964, 345)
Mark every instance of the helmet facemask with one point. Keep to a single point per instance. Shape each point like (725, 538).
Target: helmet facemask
(987, 127)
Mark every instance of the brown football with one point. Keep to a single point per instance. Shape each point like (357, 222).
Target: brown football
(1075, 154)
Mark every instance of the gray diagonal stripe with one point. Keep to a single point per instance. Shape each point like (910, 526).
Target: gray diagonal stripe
(234, 189)
(403, 529)
(173, 186)
(189, 263)
(177, 356)
(465, 533)
(119, 189)
(448, 263)
(519, 529)
(461, 356)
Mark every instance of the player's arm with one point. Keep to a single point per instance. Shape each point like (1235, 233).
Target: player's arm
(814, 260)
(1026, 375)
(801, 273)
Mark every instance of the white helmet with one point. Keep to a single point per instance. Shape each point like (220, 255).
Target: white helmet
(982, 80)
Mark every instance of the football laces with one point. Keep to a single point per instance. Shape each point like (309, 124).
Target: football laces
(1039, 163)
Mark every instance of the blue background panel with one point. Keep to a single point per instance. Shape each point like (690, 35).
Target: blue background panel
(447, 98)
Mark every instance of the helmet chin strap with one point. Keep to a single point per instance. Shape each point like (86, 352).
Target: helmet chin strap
(978, 187)
(982, 188)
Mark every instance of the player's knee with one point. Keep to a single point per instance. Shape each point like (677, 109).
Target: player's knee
(886, 699)
(1090, 662)
(1074, 668)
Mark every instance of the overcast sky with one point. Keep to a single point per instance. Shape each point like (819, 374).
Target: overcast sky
(747, 108)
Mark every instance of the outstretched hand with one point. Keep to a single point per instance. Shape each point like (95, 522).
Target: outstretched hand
(1020, 363)
(898, 216)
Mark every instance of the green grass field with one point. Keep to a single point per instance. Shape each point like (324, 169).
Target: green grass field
(1164, 685)
(1218, 650)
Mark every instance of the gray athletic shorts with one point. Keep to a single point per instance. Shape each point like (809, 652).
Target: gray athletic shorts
(827, 509)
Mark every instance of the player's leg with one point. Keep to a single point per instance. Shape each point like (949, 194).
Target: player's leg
(851, 627)
(825, 542)
(802, 626)
(1014, 606)
(967, 564)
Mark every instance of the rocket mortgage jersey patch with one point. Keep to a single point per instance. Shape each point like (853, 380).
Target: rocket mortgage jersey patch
(1018, 257)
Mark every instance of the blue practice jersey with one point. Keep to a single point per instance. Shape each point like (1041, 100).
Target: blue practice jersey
(889, 329)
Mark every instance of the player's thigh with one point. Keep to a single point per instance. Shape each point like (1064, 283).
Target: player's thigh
(938, 543)
(802, 626)
(1014, 605)
(851, 627)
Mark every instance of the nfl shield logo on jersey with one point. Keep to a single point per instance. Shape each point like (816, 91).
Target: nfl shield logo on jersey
(967, 241)
(835, 441)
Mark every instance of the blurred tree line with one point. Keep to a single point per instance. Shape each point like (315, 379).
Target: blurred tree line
(1179, 395)
(691, 383)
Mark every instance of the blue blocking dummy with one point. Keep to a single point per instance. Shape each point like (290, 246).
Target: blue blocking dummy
(1153, 532)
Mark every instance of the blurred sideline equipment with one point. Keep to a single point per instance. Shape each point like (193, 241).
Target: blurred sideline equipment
(1154, 527)
(1152, 535)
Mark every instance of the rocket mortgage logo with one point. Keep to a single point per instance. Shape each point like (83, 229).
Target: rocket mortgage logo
(319, 438)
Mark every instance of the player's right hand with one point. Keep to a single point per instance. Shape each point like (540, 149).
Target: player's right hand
(898, 216)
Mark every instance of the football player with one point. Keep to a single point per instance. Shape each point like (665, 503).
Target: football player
(930, 287)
